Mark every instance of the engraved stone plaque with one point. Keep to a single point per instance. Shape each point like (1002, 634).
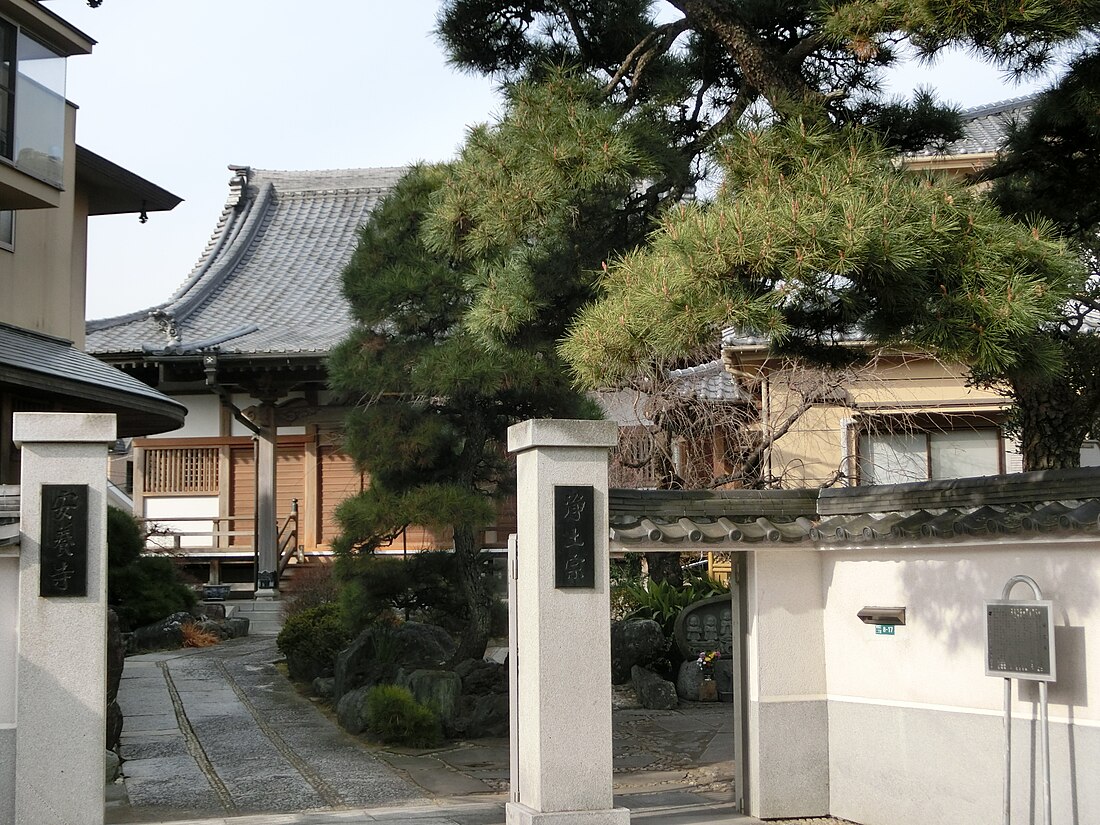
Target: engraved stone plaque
(63, 569)
(574, 537)
(704, 626)
(1020, 640)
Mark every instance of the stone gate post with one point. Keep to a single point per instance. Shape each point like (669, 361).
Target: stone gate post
(61, 678)
(562, 717)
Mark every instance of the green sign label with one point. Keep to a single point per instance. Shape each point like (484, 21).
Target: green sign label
(884, 630)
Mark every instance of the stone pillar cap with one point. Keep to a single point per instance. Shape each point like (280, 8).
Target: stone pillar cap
(557, 432)
(70, 428)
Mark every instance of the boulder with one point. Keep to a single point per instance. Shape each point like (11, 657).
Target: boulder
(635, 642)
(322, 686)
(116, 660)
(482, 716)
(438, 689)
(653, 692)
(162, 635)
(688, 680)
(482, 678)
(351, 710)
(238, 626)
(378, 653)
(111, 767)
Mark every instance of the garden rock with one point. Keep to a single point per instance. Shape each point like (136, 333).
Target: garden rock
(162, 635)
(482, 716)
(351, 710)
(323, 686)
(653, 691)
(111, 765)
(439, 690)
(116, 660)
(482, 678)
(210, 610)
(238, 626)
(688, 680)
(635, 642)
(378, 653)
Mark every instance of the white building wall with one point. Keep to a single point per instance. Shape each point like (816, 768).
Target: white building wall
(165, 508)
(915, 725)
(203, 417)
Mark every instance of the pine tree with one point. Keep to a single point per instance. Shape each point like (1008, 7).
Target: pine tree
(433, 404)
(1050, 169)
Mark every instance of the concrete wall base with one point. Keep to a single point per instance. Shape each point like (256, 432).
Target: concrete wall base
(519, 814)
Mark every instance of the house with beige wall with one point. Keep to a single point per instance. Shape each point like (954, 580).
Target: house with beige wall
(49, 188)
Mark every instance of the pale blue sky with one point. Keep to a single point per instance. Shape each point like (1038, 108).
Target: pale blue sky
(178, 89)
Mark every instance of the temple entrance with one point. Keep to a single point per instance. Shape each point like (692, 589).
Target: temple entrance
(559, 585)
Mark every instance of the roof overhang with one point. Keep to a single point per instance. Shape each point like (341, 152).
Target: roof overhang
(51, 370)
(50, 28)
(113, 190)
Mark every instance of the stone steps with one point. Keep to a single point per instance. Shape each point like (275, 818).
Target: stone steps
(265, 617)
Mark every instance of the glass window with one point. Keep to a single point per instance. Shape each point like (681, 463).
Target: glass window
(7, 229)
(899, 458)
(7, 88)
(39, 110)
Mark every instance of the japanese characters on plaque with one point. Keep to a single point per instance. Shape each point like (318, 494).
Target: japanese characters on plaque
(63, 567)
(574, 537)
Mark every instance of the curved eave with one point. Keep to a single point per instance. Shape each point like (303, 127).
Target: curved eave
(52, 371)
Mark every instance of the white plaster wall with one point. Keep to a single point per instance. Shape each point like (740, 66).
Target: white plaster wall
(163, 508)
(915, 732)
(786, 686)
(203, 417)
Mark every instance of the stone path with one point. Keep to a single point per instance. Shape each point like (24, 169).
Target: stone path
(220, 733)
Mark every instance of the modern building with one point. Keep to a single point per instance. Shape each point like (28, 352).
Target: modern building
(49, 188)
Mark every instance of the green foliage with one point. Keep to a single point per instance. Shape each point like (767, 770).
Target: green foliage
(125, 540)
(398, 719)
(311, 639)
(420, 587)
(147, 590)
(662, 601)
(816, 237)
(141, 589)
(434, 402)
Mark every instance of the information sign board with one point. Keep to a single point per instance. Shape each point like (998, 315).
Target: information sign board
(1019, 638)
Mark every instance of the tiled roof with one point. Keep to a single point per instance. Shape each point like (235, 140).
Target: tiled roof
(708, 382)
(1052, 501)
(54, 367)
(985, 127)
(268, 281)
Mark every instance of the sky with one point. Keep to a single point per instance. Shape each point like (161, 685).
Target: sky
(176, 90)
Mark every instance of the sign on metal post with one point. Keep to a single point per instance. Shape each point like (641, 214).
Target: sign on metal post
(1019, 644)
(1019, 640)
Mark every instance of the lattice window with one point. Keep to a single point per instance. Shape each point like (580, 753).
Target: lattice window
(181, 470)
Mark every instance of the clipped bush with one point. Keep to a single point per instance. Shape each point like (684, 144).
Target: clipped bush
(146, 589)
(422, 587)
(396, 718)
(311, 640)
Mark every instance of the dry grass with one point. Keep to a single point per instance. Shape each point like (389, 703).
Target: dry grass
(195, 636)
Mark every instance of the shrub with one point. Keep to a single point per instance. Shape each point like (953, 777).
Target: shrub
(141, 589)
(422, 587)
(314, 585)
(398, 719)
(663, 602)
(195, 636)
(311, 641)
